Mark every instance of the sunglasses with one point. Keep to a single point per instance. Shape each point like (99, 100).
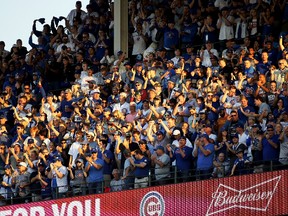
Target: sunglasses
(78, 162)
(233, 115)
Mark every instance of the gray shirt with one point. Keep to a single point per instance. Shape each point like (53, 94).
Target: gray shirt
(162, 172)
(283, 156)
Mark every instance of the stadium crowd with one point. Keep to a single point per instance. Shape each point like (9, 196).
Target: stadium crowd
(201, 92)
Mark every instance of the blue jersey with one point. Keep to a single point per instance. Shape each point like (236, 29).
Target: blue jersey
(241, 165)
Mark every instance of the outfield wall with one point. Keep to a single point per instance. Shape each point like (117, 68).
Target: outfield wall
(255, 194)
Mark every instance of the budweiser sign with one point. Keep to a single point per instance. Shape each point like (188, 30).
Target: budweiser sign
(256, 197)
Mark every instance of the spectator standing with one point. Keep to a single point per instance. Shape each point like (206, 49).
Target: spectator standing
(270, 145)
(128, 172)
(183, 156)
(108, 158)
(141, 172)
(283, 138)
(171, 38)
(76, 13)
(22, 183)
(7, 184)
(225, 24)
(74, 149)
(204, 151)
(161, 161)
(59, 178)
(94, 169)
(78, 178)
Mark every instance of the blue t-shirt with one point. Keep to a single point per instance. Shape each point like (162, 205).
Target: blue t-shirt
(107, 169)
(189, 33)
(171, 38)
(66, 104)
(205, 162)
(248, 109)
(183, 164)
(269, 152)
(46, 190)
(142, 172)
(95, 175)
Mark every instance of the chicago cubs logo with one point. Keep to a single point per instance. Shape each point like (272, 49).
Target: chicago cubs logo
(152, 204)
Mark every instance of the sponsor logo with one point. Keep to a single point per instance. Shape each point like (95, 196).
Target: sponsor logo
(257, 197)
(152, 204)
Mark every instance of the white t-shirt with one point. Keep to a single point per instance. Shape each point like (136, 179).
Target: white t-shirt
(47, 110)
(139, 44)
(206, 57)
(120, 107)
(62, 183)
(73, 151)
(226, 32)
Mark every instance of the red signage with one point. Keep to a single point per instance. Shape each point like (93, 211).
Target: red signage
(257, 194)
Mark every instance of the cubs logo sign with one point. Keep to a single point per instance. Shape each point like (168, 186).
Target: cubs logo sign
(152, 204)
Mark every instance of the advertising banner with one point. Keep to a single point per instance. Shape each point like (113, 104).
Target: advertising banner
(256, 194)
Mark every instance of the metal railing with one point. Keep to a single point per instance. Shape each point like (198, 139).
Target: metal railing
(173, 176)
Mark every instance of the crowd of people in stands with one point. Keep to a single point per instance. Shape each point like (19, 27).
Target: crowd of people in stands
(203, 92)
